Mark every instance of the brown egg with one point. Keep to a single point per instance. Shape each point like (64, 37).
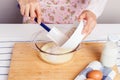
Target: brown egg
(95, 74)
(90, 79)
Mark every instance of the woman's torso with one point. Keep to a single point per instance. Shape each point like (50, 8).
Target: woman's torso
(61, 11)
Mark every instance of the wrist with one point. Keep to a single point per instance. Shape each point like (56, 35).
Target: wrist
(92, 11)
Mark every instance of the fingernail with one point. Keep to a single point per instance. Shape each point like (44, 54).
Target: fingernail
(39, 22)
(32, 19)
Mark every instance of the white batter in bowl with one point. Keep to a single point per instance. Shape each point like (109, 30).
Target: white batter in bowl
(52, 53)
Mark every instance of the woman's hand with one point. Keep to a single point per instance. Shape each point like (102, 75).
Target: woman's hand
(90, 19)
(30, 8)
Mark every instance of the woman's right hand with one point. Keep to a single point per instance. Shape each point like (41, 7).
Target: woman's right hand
(30, 8)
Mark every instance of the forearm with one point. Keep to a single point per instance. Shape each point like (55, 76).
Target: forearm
(96, 6)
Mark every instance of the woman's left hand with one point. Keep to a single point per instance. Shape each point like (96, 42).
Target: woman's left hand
(90, 19)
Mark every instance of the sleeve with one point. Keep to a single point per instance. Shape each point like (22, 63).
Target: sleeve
(96, 6)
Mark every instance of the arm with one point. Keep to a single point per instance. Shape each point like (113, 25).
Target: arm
(96, 6)
(91, 13)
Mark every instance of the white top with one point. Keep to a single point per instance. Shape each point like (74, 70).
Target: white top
(97, 6)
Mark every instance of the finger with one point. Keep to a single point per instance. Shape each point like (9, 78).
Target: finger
(27, 10)
(32, 12)
(38, 12)
(32, 19)
(86, 27)
(22, 10)
(81, 17)
(89, 27)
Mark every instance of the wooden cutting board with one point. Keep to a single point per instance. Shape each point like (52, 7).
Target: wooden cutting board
(27, 65)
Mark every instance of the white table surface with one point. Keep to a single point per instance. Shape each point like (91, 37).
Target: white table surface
(11, 33)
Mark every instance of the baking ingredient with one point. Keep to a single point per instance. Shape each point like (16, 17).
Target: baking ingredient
(90, 79)
(109, 54)
(53, 48)
(52, 53)
(95, 74)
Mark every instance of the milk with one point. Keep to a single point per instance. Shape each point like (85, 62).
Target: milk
(109, 54)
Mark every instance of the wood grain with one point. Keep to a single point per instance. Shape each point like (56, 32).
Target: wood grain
(27, 65)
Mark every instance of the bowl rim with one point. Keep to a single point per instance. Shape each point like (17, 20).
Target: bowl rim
(69, 52)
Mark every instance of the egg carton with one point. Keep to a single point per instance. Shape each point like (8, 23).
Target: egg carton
(108, 73)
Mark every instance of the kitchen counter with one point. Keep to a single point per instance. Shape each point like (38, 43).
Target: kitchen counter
(11, 33)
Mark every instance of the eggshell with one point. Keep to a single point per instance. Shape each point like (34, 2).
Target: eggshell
(90, 79)
(95, 74)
